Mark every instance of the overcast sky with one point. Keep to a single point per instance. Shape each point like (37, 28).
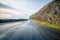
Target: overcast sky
(26, 7)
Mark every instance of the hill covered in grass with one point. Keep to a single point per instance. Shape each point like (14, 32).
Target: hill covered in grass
(49, 13)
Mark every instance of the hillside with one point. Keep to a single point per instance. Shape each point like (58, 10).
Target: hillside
(49, 13)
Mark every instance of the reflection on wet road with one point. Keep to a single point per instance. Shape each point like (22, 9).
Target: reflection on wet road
(27, 30)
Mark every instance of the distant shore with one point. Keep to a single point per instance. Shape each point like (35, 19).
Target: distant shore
(11, 20)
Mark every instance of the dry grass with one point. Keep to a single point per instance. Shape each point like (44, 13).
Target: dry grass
(48, 24)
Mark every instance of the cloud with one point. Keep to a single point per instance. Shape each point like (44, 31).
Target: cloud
(26, 7)
(8, 13)
(23, 5)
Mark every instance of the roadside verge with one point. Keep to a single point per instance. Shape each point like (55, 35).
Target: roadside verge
(48, 24)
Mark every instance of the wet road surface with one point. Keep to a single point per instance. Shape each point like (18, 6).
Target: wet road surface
(27, 30)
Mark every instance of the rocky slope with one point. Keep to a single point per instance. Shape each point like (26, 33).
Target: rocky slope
(49, 13)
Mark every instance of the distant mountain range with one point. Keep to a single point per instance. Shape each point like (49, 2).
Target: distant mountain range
(11, 20)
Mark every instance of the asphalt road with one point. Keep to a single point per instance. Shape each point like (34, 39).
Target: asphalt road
(27, 30)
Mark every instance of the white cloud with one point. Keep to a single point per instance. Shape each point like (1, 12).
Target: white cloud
(22, 5)
(25, 7)
(8, 13)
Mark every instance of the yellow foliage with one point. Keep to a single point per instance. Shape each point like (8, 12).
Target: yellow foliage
(48, 24)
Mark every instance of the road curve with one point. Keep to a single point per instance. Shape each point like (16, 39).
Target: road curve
(27, 30)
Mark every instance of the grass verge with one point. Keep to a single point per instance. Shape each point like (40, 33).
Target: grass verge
(48, 24)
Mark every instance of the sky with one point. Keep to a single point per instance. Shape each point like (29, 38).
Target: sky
(24, 8)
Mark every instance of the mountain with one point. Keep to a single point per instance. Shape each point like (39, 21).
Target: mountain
(49, 13)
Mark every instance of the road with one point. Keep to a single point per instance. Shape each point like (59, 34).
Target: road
(27, 30)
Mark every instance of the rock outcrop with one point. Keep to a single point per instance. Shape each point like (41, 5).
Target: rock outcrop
(49, 13)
